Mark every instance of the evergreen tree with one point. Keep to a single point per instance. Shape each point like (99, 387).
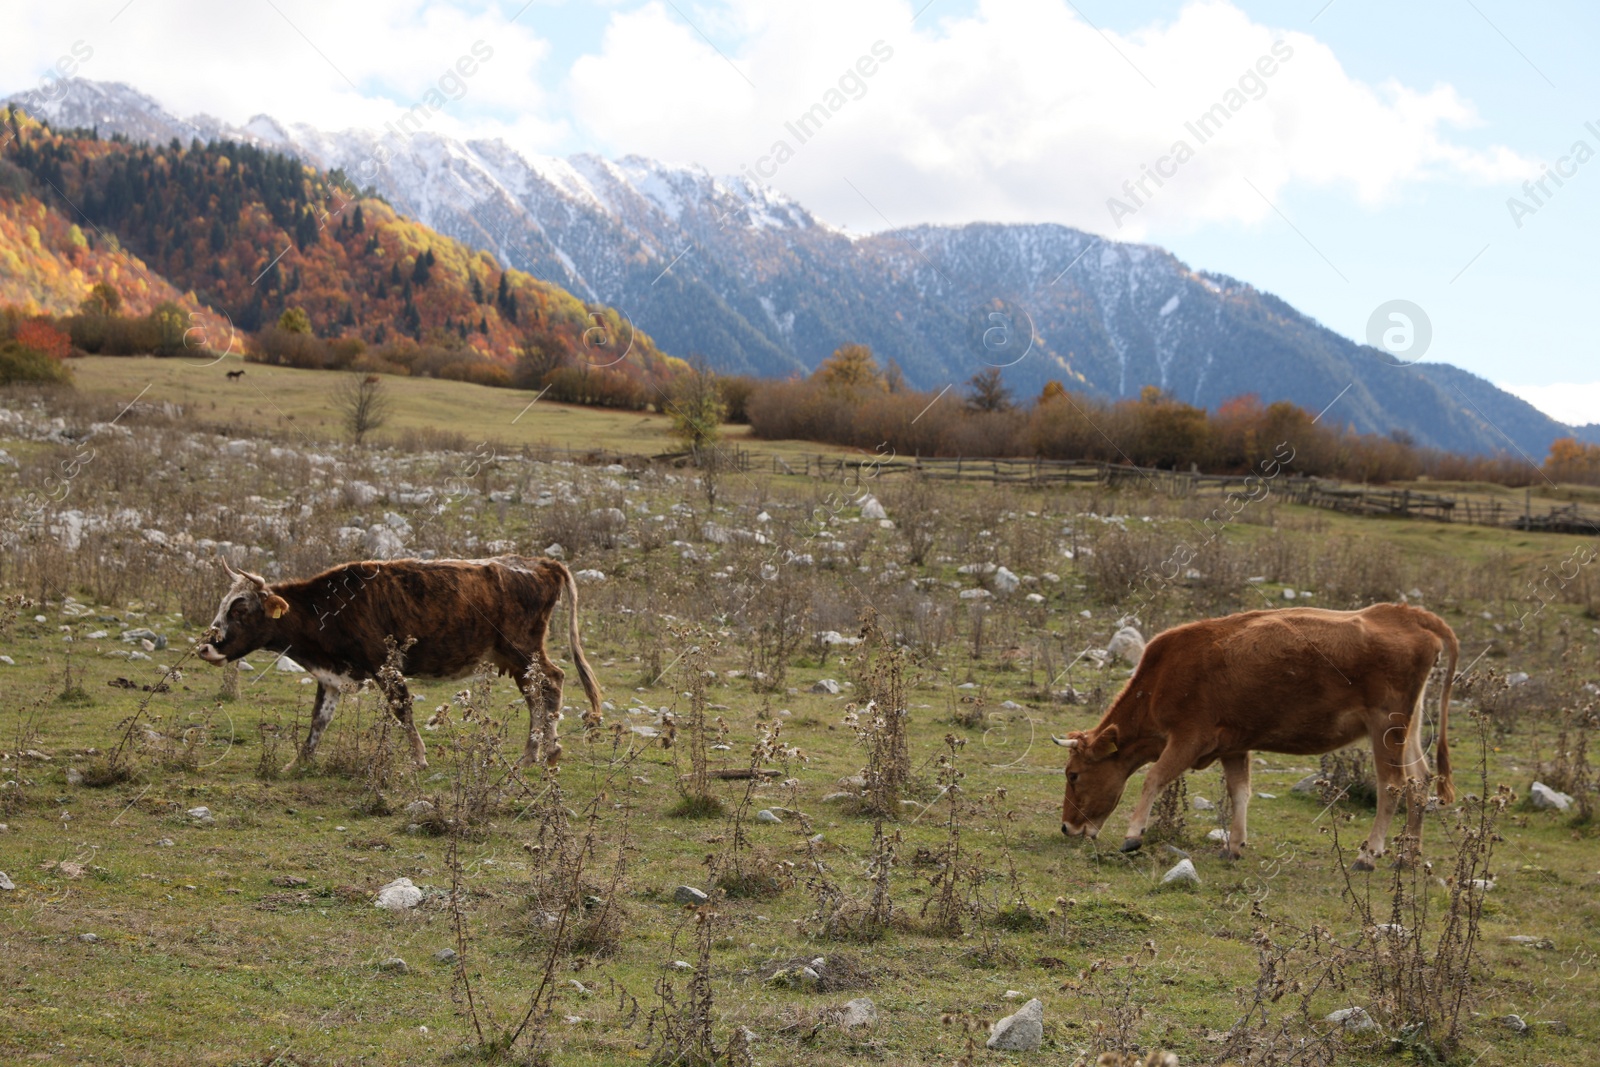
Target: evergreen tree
(358, 221)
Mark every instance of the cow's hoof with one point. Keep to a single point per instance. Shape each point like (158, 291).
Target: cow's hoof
(552, 754)
(529, 758)
(1133, 844)
(1362, 864)
(1228, 854)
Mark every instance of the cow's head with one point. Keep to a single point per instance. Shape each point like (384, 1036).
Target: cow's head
(1095, 779)
(244, 620)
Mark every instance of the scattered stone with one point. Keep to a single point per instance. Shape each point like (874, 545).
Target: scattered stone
(1517, 678)
(1306, 786)
(165, 842)
(1515, 1023)
(202, 816)
(1352, 1019)
(826, 686)
(872, 510)
(767, 815)
(89, 939)
(1127, 644)
(74, 776)
(1482, 885)
(833, 798)
(589, 574)
(419, 807)
(130, 637)
(395, 964)
(1183, 874)
(445, 955)
(1218, 835)
(1266, 796)
(1202, 804)
(688, 894)
(1174, 850)
(6, 884)
(805, 978)
(289, 881)
(858, 1012)
(1546, 799)
(680, 965)
(1022, 1032)
(1531, 941)
(1005, 580)
(1011, 994)
(398, 895)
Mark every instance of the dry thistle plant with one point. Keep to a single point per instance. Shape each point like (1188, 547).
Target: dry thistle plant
(1418, 965)
(1293, 967)
(1169, 818)
(881, 724)
(682, 1033)
(1569, 770)
(947, 898)
(697, 800)
(744, 872)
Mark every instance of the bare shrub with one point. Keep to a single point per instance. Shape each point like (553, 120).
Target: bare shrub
(1348, 775)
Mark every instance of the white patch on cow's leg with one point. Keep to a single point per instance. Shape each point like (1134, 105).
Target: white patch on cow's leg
(1414, 773)
(531, 685)
(552, 680)
(321, 715)
(1236, 773)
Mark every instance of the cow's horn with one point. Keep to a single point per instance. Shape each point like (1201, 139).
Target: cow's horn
(1065, 742)
(256, 580)
(226, 566)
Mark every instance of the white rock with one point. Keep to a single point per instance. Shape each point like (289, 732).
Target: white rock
(1034, 598)
(858, 1012)
(589, 574)
(826, 686)
(398, 895)
(872, 510)
(1352, 1019)
(6, 884)
(288, 666)
(975, 594)
(1547, 799)
(688, 894)
(201, 812)
(555, 550)
(384, 543)
(1022, 1032)
(1517, 678)
(1127, 644)
(1219, 835)
(1202, 804)
(1288, 594)
(1183, 874)
(767, 815)
(1005, 580)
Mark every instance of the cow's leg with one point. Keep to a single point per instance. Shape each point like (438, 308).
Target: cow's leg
(321, 714)
(1414, 773)
(1175, 759)
(541, 688)
(403, 710)
(1388, 763)
(1236, 774)
(554, 677)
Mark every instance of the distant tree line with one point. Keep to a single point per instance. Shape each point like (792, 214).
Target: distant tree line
(850, 400)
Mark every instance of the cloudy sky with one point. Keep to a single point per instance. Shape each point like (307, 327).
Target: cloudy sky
(1374, 151)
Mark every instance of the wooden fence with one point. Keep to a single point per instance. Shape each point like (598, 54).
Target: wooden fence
(1299, 489)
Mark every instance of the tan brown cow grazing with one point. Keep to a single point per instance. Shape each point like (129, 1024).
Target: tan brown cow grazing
(1301, 681)
(460, 611)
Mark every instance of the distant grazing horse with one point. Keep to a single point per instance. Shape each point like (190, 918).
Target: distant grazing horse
(235, 375)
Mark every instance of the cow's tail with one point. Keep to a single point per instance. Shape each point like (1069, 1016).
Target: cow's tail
(591, 688)
(1447, 786)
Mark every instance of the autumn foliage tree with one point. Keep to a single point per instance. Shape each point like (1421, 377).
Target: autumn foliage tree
(1571, 460)
(851, 367)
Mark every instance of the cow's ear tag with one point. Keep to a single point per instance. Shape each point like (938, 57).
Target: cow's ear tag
(276, 607)
(1111, 748)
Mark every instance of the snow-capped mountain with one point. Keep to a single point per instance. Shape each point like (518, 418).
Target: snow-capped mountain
(739, 273)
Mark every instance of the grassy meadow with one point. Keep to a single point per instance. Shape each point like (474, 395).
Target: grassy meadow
(139, 932)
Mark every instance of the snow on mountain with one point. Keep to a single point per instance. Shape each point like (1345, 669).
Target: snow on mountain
(739, 273)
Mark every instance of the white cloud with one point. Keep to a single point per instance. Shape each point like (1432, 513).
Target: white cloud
(1020, 112)
(330, 63)
(1574, 403)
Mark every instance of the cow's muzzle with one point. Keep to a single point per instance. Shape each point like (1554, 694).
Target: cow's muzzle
(210, 654)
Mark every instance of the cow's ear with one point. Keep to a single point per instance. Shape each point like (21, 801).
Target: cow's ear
(1105, 744)
(276, 607)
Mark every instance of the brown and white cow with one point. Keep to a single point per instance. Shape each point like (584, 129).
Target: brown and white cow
(460, 611)
(1301, 680)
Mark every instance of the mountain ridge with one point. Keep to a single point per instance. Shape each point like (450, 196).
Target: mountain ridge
(741, 274)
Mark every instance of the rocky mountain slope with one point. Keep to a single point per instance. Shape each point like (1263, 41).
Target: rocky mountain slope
(753, 281)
